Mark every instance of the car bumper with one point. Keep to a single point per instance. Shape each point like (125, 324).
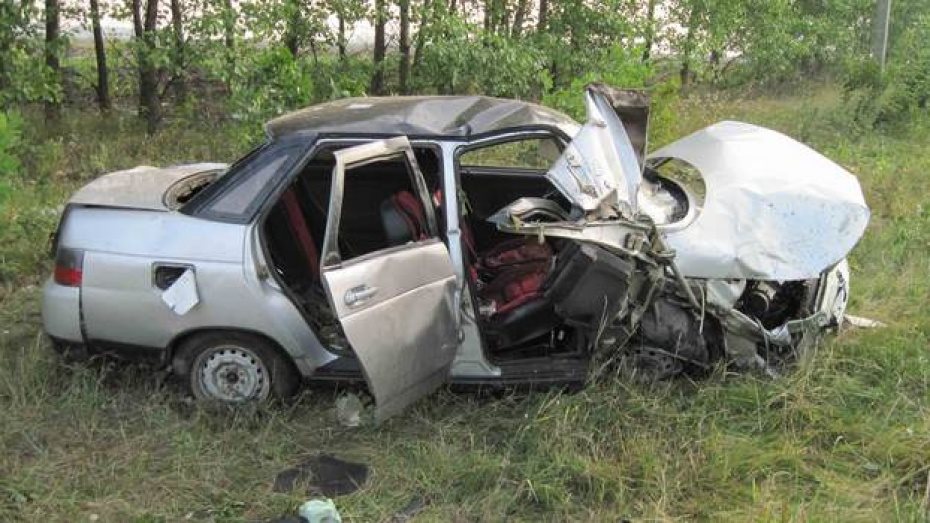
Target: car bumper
(61, 312)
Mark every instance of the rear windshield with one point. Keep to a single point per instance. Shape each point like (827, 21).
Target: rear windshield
(237, 195)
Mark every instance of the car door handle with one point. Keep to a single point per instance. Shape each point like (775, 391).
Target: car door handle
(359, 295)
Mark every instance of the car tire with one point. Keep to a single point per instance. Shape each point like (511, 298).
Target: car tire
(234, 368)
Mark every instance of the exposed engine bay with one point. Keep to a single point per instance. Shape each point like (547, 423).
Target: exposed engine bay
(633, 303)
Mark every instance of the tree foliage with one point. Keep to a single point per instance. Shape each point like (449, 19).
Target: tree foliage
(249, 59)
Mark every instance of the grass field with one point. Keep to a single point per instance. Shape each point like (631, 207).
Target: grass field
(845, 437)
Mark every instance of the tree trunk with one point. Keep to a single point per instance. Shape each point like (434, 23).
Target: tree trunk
(543, 19)
(404, 46)
(137, 32)
(341, 36)
(488, 15)
(229, 26)
(688, 48)
(880, 26)
(377, 79)
(149, 104)
(650, 30)
(518, 18)
(425, 19)
(100, 50)
(52, 44)
(180, 65)
(10, 14)
(502, 24)
(137, 18)
(229, 41)
(291, 36)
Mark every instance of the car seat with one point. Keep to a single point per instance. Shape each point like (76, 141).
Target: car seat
(509, 280)
(516, 307)
(298, 225)
(403, 219)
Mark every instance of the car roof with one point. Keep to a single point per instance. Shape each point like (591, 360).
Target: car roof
(460, 117)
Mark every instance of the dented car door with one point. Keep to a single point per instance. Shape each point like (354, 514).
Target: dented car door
(395, 305)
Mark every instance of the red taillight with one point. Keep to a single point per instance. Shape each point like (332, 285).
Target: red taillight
(69, 265)
(67, 276)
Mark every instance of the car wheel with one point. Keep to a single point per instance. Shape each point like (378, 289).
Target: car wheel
(235, 368)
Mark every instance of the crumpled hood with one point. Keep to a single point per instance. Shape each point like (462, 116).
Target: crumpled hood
(774, 208)
(141, 187)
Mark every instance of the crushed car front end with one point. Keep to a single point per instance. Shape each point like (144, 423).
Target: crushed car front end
(749, 268)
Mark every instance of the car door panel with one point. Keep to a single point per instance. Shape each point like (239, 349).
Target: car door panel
(397, 312)
(396, 305)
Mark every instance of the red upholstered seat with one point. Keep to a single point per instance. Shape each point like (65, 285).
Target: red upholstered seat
(298, 224)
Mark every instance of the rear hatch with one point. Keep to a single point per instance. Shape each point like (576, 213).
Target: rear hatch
(145, 187)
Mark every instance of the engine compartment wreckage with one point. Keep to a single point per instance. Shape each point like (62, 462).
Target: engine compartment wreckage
(412, 241)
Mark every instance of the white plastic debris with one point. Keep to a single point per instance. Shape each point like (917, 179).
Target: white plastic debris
(182, 295)
(349, 410)
(861, 323)
(320, 511)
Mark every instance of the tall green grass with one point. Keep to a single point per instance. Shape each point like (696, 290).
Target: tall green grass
(844, 437)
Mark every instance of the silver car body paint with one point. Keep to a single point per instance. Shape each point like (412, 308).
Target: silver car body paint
(61, 311)
(125, 229)
(470, 359)
(141, 187)
(122, 305)
(397, 306)
(599, 165)
(400, 322)
(774, 208)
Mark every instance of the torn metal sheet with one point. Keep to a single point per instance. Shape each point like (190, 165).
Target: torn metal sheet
(599, 165)
(632, 107)
(723, 293)
(775, 209)
(182, 295)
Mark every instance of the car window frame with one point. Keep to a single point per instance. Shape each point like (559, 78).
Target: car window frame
(523, 136)
(201, 207)
(330, 255)
(512, 136)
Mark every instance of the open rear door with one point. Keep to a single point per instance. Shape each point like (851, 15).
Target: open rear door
(396, 305)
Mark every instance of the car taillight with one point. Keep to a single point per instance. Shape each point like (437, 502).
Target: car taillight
(69, 266)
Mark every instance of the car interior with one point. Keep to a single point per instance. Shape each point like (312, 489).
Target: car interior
(529, 298)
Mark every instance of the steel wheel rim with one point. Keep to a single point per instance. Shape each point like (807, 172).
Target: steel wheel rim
(233, 374)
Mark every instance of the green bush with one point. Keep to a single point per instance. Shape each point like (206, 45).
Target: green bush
(271, 81)
(902, 91)
(622, 67)
(464, 59)
(10, 134)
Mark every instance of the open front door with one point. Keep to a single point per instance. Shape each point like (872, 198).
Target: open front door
(397, 304)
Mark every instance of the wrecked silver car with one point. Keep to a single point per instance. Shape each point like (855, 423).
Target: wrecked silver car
(412, 241)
